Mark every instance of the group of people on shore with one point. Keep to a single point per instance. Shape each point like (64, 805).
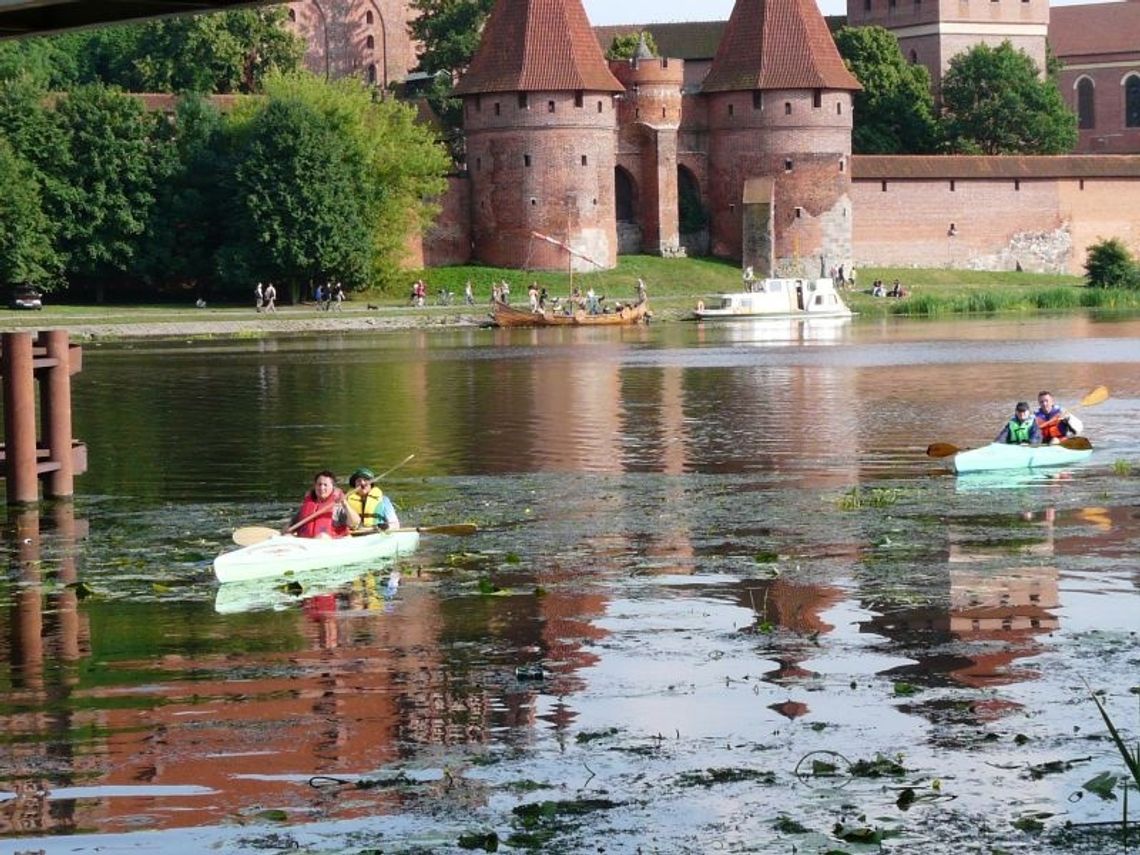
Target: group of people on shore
(327, 511)
(265, 298)
(329, 296)
(1048, 425)
(879, 289)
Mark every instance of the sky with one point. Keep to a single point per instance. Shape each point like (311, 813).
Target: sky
(656, 11)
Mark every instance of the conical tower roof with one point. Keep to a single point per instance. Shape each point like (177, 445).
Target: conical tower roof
(777, 44)
(538, 46)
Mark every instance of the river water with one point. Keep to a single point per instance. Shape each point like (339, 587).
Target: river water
(720, 600)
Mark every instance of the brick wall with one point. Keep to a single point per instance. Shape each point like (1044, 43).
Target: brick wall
(362, 38)
(448, 240)
(1108, 134)
(991, 223)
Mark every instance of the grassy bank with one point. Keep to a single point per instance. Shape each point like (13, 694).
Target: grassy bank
(674, 288)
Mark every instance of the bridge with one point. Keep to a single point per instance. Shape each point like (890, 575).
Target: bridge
(40, 17)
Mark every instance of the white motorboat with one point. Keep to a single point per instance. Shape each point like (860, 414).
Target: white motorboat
(779, 298)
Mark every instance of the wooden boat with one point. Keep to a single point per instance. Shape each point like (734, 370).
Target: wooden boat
(511, 316)
(779, 298)
(998, 455)
(280, 556)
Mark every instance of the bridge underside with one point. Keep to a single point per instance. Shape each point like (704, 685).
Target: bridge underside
(40, 17)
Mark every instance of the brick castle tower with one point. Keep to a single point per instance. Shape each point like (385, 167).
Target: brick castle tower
(779, 123)
(540, 124)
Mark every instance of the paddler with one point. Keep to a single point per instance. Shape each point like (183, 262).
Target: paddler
(324, 510)
(369, 503)
(1055, 423)
(1021, 429)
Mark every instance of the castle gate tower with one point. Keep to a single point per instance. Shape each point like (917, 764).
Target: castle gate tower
(779, 116)
(649, 115)
(540, 122)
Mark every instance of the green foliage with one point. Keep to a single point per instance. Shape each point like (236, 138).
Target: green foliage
(193, 162)
(894, 114)
(105, 182)
(995, 102)
(222, 52)
(1110, 265)
(302, 212)
(403, 165)
(625, 47)
(26, 252)
(449, 31)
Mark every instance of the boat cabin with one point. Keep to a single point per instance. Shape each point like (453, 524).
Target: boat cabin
(773, 297)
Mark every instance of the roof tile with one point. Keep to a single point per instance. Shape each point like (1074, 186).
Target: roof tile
(877, 167)
(1095, 29)
(538, 46)
(777, 44)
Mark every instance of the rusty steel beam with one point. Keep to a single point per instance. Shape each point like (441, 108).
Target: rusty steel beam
(41, 17)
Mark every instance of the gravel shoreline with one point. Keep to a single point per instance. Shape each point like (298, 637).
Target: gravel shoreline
(221, 323)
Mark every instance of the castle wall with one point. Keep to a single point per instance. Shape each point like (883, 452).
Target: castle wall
(1041, 223)
(546, 166)
(805, 148)
(448, 240)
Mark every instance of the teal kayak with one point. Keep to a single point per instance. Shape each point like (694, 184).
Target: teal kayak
(998, 455)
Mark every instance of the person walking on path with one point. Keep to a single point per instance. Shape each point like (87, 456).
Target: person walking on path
(270, 298)
(258, 297)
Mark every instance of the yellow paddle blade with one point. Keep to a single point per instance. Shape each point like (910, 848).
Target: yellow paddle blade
(941, 449)
(1097, 396)
(251, 534)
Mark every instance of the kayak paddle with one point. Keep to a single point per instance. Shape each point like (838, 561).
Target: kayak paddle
(1074, 443)
(945, 449)
(455, 529)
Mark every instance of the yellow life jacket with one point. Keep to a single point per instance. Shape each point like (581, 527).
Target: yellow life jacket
(367, 506)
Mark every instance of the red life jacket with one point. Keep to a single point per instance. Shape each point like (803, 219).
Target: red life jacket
(323, 524)
(1050, 424)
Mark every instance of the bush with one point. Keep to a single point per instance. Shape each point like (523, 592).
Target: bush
(1110, 265)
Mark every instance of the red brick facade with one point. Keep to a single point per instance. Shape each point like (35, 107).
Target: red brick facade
(360, 38)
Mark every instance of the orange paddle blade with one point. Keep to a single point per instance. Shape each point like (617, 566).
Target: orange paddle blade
(1076, 443)
(941, 449)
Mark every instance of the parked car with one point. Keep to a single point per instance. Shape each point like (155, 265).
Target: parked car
(25, 297)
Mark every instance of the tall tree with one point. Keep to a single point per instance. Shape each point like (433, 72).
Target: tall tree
(330, 183)
(894, 113)
(193, 199)
(996, 102)
(106, 168)
(26, 253)
(449, 31)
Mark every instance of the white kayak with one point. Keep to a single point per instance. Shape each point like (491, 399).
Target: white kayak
(284, 555)
(999, 455)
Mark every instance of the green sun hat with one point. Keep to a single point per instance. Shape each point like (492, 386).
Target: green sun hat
(362, 473)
